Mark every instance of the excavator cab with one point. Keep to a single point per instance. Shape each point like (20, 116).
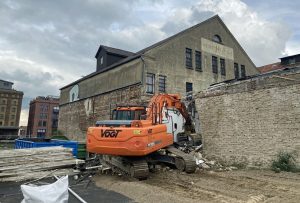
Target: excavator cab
(129, 113)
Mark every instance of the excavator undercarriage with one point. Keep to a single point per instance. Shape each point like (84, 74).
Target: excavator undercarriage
(138, 167)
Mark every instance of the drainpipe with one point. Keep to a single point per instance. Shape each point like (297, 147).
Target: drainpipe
(143, 69)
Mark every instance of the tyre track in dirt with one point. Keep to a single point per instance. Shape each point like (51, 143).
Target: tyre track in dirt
(207, 186)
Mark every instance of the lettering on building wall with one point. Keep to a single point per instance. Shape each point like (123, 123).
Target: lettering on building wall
(216, 49)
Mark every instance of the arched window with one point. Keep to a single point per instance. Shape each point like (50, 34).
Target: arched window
(73, 96)
(217, 39)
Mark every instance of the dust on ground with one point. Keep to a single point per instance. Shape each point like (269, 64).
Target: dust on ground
(250, 186)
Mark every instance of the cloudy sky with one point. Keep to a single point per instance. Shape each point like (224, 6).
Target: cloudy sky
(45, 45)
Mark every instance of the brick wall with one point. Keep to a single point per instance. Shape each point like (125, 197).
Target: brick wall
(76, 117)
(249, 122)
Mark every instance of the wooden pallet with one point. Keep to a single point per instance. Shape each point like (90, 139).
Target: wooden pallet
(34, 163)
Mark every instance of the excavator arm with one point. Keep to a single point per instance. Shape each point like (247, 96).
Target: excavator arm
(159, 101)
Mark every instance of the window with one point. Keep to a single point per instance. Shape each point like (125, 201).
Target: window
(198, 60)
(292, 61)
(13, 109)
(43, 116)
(236, 71)
(1, 123)
(189, 87)
(12, 117)
(40, 124)
(150, 83)
(101, 60)
(223, 68)
(217, 38)
(162, 83)
(214, 64)
(41, 132)
(243, 71)
(15, 102)
(3, 101)
(188, 58)
(44, 123)
(1, 116)
(12, 123)
(6, 84)
(2, 109)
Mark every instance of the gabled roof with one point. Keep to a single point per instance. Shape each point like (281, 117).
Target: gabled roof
(141, 52)
(114, 51)
(291, 56)
(6, 81)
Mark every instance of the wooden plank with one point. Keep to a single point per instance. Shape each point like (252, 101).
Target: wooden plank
(41, 166)
(36, 175)
(32, 151)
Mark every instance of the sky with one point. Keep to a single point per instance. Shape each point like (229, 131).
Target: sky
(45, 45)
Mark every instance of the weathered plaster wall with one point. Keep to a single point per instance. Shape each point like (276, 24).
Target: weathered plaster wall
(76, 117)
(169, 59)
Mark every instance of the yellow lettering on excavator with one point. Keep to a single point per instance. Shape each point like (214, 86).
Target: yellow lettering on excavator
(136, 132)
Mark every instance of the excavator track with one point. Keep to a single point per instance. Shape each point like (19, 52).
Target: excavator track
(139, 169)
(188, 164)
(134, 167)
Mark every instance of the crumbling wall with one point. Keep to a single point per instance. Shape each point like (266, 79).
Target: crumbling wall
(249, 122)
(76, 117)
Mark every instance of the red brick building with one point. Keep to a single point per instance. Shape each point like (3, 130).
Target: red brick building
(43, 117)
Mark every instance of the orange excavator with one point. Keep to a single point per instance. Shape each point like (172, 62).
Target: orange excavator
(138, 137)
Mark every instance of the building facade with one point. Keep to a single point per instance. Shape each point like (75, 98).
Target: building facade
(10, 108)
(43, 117)
(189, 61)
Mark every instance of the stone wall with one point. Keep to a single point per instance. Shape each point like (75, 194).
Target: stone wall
(76, 117)
(249, 122)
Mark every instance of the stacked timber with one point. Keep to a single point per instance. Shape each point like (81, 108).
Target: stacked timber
(34, 163)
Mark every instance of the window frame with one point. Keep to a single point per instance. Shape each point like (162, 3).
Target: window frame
(236, 71)
(162, 80)
(214, 66)
(186, 87)
(198, 61)
(188, 58)
(152, 84)
(223, 66)
(243, 71)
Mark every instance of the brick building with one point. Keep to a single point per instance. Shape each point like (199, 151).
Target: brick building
(43, 117)
(189, 61)
(10, 108)
(285, 62)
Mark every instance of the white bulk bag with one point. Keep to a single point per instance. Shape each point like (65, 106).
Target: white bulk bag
(56, 192)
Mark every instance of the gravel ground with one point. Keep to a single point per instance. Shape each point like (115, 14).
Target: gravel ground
(251, 186)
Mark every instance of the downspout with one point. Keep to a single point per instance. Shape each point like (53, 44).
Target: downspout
(143, 69)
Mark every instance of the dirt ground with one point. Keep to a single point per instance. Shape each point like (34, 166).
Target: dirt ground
(251, 186)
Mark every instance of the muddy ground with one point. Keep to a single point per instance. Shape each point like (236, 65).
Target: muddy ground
(251, 186)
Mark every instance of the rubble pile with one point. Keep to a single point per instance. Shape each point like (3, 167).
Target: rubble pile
(210, 164)
(34, 163)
